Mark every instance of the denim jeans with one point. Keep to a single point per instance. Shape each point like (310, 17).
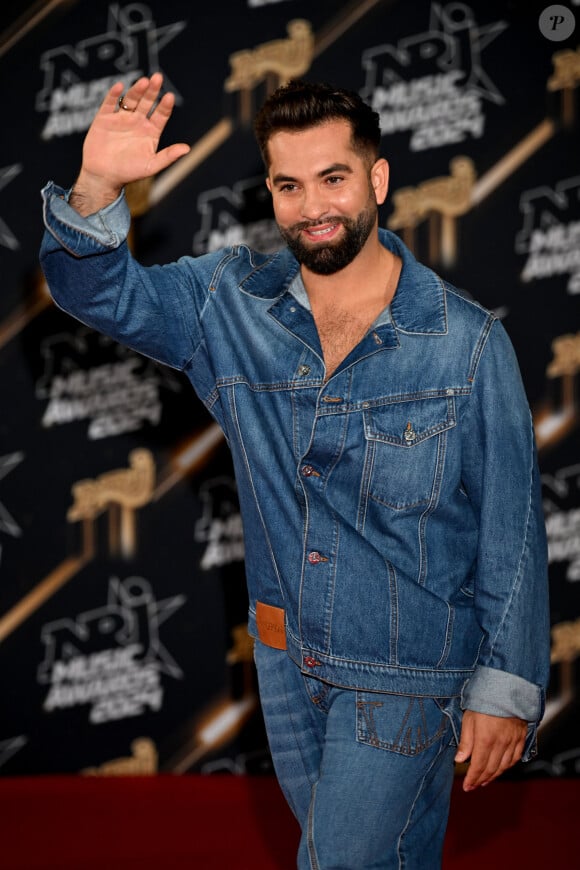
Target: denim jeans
(368, 775)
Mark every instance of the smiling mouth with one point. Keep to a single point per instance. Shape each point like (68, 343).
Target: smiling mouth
(322, 232)
(318, 231)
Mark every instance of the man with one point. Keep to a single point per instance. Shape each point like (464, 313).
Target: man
(384, 455)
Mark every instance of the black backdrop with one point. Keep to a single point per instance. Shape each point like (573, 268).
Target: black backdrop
(122, 592)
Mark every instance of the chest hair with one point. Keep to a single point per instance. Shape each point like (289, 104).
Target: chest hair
(341, 326)
(340, 331)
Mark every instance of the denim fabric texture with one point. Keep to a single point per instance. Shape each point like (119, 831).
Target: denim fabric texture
(368, 775)
(393, 510)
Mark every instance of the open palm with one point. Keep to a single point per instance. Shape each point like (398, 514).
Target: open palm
(122, 141)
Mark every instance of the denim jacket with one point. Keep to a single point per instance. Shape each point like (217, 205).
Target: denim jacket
(393, 510)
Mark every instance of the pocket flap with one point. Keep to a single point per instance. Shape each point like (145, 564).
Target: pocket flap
(405, 424)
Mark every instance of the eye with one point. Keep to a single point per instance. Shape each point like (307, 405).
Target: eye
(287, 187)
(334, 179)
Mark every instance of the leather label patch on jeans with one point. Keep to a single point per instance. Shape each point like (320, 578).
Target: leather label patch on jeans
(270, 622)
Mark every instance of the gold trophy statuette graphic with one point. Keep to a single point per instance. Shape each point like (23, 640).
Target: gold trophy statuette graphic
(120, 492)
(143, 762)
(565, 651)
(565, 79)
(442, 200)
(274, 62)
(552, 424)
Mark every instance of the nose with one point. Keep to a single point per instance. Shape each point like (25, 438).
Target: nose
(313, 205)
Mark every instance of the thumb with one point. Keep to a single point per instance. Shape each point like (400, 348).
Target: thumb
(465, 747)
(164, 158)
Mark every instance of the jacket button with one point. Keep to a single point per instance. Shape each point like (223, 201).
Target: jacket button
(310, 662)
(314, 558)
(307, 470)
(409, 434)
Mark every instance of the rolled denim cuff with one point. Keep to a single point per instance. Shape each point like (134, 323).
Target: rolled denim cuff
(107, 228)
(499, 693)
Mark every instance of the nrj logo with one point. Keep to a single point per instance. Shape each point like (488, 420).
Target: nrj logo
(110, 659)
(220, 526)
(88, 377)
(550, 236)
(240, 215)
(432, 84)
(562, 510)
(77, 77)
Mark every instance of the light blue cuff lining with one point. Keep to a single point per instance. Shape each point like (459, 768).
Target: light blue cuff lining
(499, 693)
(108, 227)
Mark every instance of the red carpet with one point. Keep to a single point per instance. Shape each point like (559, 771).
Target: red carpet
(234, 823)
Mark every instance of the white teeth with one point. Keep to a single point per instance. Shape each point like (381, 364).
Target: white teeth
(321, 232)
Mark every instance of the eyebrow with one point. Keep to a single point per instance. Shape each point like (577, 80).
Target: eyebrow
(330, 170)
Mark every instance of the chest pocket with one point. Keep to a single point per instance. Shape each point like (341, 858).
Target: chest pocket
(406, 450)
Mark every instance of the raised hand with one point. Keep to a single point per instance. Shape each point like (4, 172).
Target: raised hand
(122, 141)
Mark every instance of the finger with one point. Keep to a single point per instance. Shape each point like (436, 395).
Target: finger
(465, 747)
(485, 760)
(148, 93)
(491, 761)
(132, 97)
(163, 111)
(111, 101)
(479, 774)
(169, 155)
(496, 769)
(476, 774)
(508, 759)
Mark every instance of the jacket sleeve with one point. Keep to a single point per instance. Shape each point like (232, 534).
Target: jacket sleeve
(91, 275)
(501, 477)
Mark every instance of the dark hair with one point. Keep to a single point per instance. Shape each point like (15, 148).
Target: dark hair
(299, 105)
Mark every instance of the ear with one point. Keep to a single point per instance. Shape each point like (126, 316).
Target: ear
(380, 179)
(268, 183)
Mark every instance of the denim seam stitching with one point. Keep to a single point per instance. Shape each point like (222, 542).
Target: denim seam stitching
(235, 419)
(515, 586)
(419, 790)
(480, 345)
(310, 832)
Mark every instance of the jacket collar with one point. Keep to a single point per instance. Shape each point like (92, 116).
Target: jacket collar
(419, 305)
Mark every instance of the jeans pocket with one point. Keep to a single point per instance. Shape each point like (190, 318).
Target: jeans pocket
(399, 723)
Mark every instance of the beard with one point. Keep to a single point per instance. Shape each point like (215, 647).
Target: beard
(327, 259)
